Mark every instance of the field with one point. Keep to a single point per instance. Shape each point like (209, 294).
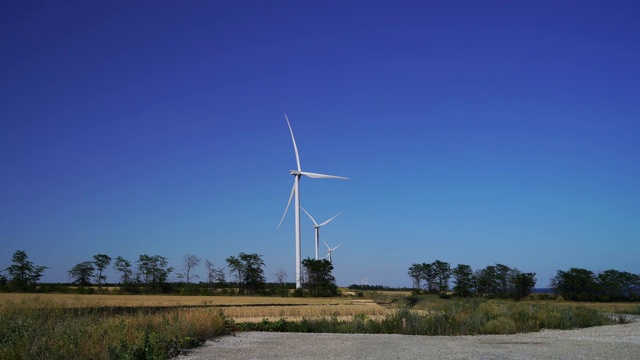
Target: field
(238, 308)
(62, 326)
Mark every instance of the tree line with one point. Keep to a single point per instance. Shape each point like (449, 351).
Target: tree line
(150, 274)
(585, 285)
(503, 281)
(494, 280)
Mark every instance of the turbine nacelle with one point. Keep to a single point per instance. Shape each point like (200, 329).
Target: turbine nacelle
(316, 175)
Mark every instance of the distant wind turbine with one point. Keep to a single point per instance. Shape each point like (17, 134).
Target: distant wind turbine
(317, 227)
(296, 191)
(330, 250)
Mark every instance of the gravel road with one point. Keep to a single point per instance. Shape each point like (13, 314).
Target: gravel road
(604, 342)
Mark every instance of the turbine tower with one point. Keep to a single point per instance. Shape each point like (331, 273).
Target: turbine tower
(317, 227)
(296, 191)
(330, 250)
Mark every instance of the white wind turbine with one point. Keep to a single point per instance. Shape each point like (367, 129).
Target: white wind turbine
(330, 250)
(296, 190)
(317, 227)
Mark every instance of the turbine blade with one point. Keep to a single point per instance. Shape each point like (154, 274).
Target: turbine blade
(326, 222)
(293, 190)
(322, 176)
(327, 245)
(310, 217)
(336, 247)
(295, 147)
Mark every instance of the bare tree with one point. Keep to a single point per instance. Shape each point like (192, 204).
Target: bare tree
(190, 262)
(210, 272)
(213, 275)
(281, 276)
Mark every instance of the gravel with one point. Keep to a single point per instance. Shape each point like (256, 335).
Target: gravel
(603, 342)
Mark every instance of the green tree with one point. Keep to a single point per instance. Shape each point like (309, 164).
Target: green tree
(523, 283)
(429, 276)
(612, 285)
(127, 281)
(630, 282)
(123, 266)
(488, 281)
(319, 280)
(101, 261)
(155, 272)
(235, 268)
(415, 273)
(576, 284)
(254, 280)
(503, 279)
(442, 272)
(82, 273)
(464, 280)
(249, 268)
(23, 274)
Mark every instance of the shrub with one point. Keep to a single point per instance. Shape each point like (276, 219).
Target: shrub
(501, 325)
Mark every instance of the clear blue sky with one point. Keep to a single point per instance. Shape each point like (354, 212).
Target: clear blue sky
(472, 132)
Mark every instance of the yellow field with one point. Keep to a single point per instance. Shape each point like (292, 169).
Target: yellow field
(74, 300)
(239, 308)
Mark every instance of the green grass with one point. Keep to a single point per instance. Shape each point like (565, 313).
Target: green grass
(54, 332)
(452, 317)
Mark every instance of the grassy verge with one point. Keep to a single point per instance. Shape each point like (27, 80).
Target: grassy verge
(33, 331)
(464, 317)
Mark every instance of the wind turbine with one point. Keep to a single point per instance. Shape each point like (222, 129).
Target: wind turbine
(296, 191)
(330, 250)
(317, 227)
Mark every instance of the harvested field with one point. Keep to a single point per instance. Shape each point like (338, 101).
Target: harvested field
(238, 308)
(73, 300)
(297, 312)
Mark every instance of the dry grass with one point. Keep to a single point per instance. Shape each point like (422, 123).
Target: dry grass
(101, 300)
(291, 313)
(238, 308)
(36, 329)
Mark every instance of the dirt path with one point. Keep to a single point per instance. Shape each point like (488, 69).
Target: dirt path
(618, 342)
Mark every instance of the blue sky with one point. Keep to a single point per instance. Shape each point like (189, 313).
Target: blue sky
(472, 132)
